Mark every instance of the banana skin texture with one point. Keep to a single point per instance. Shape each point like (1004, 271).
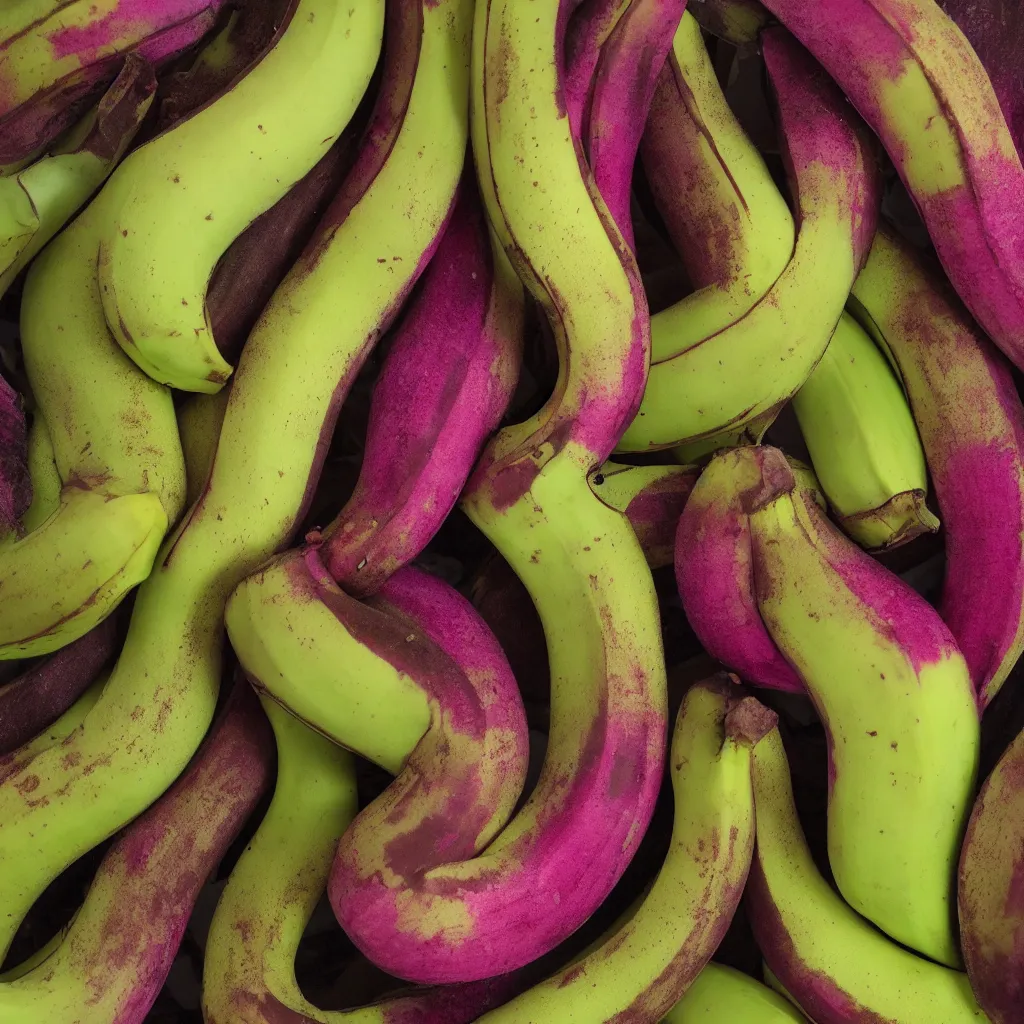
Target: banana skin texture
(640, 972)
(894, 695)
(915, 79)
(736, 380)
(989, 896)
(832, 962)
(114, 958)
(66, 54)
(174, 206)
(971, 422)
(294, 373)
(722, 995)
(863, 442)
(249, 974)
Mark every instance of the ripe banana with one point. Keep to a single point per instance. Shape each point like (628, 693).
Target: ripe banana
(722, 995)
(46, 689)
(972, 429)
(39, 200)
(863, 442)
(990, 905)
(721, 208)
(174, 206)
(894, 694)
(833, 963)
(115, 957)
(747, 371)
(641, 970)
(443, 389)
(294, 372)
(64, 53)
(249, 974)
(915, 79)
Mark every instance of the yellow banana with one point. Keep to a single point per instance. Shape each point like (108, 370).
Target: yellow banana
(175, 205)
(863, 442)
(722, 995)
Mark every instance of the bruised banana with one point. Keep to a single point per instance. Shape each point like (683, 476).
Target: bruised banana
(249, 973)
(641, 970)
(863, 442)
(174, 206)
(971, 424)
(114, 958)
(894, 694)
(737, 380)
(36, 202)
(990, 907)
(832, 962)
(722, 995)
(915, 79)
(295, 369)
(724, 213)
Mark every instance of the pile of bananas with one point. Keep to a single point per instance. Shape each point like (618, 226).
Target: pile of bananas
(473, 470)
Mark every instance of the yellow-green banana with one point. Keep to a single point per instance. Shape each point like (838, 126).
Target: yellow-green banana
(863, 442)
(199, 422)
(722, 995)
(46, 482)
(176, 204)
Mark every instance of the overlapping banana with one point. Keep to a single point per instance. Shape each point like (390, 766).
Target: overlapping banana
(641, 970)
(295, 369)
(863, 442)
(174, 206)
(832, 962)
(915, 79)
(721, 994)
(971, 424)
(735, 381)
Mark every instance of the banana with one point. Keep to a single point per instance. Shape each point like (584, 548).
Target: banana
(722, 995)
(894, 694)
(736, 21)
(833, 962)
(45, 195)
(448, 377)
(115, 957)
(989, 902)
(42, 470)
(721, 208)
(16, 493)
(174, 206)
(915, 79)
(863, 442)
(67, 52)
(714, 564)
(745, 373)
(199, 421)
(294, 372)
(971, 424)
(588, 30)
(249, 974)
(46, 689)
(640, 971)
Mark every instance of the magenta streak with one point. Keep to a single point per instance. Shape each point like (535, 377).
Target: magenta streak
(582, 52)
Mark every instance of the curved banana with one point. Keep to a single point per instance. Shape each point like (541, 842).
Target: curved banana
(588, 30)
(16, 492)
(640, 971)
(722, 995)
(990, 908)
(971, 424)
(42, 471)
(863, 442)
(115, 957)
(294, 372)
(742, 375)
(44, 196)
(894, 694)
(66, 52)
(249, 975)
(834, 963)
(174, 206)
(448, 377)
(915, 79)
(736, 21)
(46, 689)
(724, 213)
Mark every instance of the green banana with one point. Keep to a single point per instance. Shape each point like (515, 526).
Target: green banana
(46, 482)
(640, 971)
(863, 442)
(174, 206)
(722, 995)
(833, 962)
(36, 202)
(199, 421)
